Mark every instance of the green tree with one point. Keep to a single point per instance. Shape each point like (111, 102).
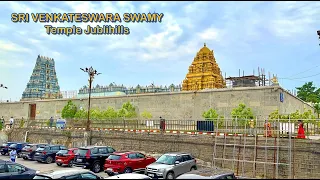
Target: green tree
(242, 114)
(146, 115)
(110, 113)
(212, 115)
(81, 114)
(316, 107)
(127, 111)
(69, 110)
(96, 114)
(309, 93)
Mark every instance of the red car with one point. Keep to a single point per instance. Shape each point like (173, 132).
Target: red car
(65, 157)
(127, 162)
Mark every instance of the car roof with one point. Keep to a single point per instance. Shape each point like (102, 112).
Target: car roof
(124, 152)
(50, 145)
(176, 153)
(192, 176)
(55, 174)
(72, 148)
(210, 172)
(129, 176)
(89, 147)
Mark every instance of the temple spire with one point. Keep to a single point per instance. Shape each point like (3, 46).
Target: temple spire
(205, 45)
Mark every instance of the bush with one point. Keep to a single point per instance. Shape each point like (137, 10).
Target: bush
(146, 115)
(69, 110)
(22, 122)
(242, 114)
(307, 116)
(212, 115)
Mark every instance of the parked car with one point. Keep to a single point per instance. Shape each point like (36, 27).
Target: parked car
(208, 173)
(47, 154)
(29, 150)
(93, 157)
(4, 149)
(66, 157)
(171, 165)
(18, 147)
(129, 176)
(12, 170)
(127, 162)
(68, 174)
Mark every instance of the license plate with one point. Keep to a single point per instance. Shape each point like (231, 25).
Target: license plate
(58, 160)
(151, 175)
(109, 169)
(79, 160)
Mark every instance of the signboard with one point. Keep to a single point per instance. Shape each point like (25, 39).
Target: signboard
(281, 97)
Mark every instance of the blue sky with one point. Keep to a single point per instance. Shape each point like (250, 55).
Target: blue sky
(278, 36)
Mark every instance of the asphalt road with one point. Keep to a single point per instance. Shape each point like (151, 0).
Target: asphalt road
(42, 166)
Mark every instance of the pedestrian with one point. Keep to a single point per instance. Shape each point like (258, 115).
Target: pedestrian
(267, 128)
(13, 155)
(51, 122)
(11, 122)
(251, 127)
(301, 134)
(2, 121)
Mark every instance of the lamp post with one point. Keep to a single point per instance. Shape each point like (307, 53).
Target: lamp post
(91, 72)
(2, 86)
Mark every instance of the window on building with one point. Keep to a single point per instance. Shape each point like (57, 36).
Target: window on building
(47, 65)
(48, 78)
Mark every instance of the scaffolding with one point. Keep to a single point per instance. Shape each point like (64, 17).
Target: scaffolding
(254, 151)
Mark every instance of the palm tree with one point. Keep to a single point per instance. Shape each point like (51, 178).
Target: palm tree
(316, 107)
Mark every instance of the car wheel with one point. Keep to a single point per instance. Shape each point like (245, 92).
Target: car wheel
(127, 170)
(59, 164)
(3, 153)
(49, 160)
(96, 167)
(25, 158)
(70, 163)
(39, 161)
(170, 175)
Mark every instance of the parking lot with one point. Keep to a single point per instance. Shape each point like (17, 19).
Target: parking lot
(42, 166)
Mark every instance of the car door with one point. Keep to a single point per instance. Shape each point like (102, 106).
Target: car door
(179, 168)
(103, 153)
(4, 174)
(187, 162)
(88, 175)
(18, 171)
(133, 162)
(54, 150)
(142, 161)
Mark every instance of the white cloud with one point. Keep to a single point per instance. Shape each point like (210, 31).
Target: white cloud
(6, 46)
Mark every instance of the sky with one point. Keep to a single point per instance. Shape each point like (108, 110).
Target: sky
(280, 37)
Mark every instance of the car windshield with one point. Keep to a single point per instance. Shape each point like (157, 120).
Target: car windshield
(5, 144)
(62, 152)
(27, 147)
(114, 157)
(166, 159)
(82, 152)
(41, 149)
(41, 177)
(13, 145)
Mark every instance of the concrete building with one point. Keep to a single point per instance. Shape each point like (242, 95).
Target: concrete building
(182, 105)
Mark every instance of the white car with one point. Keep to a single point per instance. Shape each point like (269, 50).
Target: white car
(129, 176)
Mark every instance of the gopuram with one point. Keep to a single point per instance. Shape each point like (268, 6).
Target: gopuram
(43, 83)
(204, 72)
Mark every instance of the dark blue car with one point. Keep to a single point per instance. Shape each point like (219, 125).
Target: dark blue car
(4, 149)
(18, 147)
(29, 150)
(11, 170)
(48, 153)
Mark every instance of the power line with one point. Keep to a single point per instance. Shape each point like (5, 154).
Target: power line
(301, 77)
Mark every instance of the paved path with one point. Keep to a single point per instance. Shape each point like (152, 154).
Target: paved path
(42, 166)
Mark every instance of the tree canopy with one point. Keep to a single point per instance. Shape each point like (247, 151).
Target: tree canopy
(242, 114)
(212, 115)
(69, 110)
(309, 93)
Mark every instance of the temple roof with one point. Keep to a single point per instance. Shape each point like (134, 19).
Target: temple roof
(205, 49)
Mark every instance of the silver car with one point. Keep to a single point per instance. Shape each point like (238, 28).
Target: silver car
(171, 165)
(68, 174)
(209, 173)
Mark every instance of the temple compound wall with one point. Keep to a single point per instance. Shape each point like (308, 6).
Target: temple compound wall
(185, 105)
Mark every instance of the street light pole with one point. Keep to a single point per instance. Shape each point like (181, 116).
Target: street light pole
(318, 32)
(91, 72)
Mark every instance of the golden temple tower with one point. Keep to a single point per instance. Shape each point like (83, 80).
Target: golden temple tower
(204, 72)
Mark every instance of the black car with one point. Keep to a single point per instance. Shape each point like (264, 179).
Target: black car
(29, 150)
(48, 153)
(18, 147)
(4, 149)
(11, 170)
(92, 157)
(208, 173)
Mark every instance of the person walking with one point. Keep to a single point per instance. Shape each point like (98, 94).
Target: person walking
(301, 134)
(2, 121)
(13, 155)
(51, 122)
(251, 127)
(11, 122)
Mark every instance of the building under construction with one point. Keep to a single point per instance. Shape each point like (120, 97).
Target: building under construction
(250, 80)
